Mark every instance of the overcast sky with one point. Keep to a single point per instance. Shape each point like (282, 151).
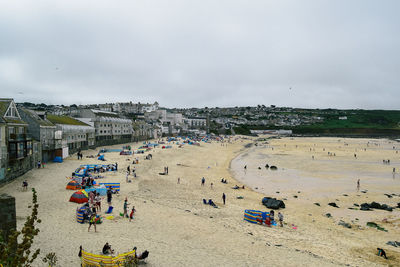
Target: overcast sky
(337, 53)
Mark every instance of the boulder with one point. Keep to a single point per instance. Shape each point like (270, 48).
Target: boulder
(328, 215)
(375, 205)
(393, 243)
(365, 206)
(273, 168)
(273, 203)
(333, 204)
(386, 207)
(344, 224)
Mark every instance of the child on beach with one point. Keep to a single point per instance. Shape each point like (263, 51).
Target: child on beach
(98, 201)
(132, 213)
(126, 208)
(92, 220)
(280, 217)
(25, 185)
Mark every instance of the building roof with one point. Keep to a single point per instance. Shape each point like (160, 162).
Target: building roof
(64, 120)
(105, 113)
(35, 116)
(4, 105)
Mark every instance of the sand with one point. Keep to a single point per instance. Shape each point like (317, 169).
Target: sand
(178, 230)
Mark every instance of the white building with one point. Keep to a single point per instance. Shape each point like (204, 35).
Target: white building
(195, 122)
(108, 126)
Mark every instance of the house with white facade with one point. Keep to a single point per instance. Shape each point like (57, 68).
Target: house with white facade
(75, 135)
(109, 127)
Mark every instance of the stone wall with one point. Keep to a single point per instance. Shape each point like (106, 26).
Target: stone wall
(8, 220)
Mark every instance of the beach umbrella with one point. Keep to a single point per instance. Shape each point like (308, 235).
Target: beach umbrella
(79, 197)
(73, 185)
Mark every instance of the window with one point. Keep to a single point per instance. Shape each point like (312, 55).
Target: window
(12, 150)
(20, 151)
(20, 130)
(11, 131)
(29, 148)
(12, 112)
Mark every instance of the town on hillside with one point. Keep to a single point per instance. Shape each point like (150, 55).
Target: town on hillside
(38, 132)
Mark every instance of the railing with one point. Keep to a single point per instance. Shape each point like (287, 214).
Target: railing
(19, 137)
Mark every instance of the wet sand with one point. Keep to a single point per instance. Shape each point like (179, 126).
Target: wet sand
(179, 230)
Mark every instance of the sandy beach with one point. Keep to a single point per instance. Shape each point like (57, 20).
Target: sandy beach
(179, 230)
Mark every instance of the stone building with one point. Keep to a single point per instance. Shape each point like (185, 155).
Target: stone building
(44, 131)
(76, 135)
(22, 153)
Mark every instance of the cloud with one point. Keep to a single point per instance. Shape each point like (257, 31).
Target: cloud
(202, 53)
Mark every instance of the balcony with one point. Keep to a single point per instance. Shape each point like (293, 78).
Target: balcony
(19, 137)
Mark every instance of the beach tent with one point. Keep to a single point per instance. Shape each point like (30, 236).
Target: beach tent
(73, 185)
(80, 172)
(90, 259)
(79, 197)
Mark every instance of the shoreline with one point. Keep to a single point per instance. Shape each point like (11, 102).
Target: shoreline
(171, 218)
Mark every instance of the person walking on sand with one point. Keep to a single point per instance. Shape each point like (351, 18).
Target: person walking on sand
(25, 185)
(126, 208)
(358, 185)
(98, 201)
(203, 180)
(132, 213)
(109, 196)
(280, 217)
(223, 197)
(179, 180)
(127, 176)
(92, 220)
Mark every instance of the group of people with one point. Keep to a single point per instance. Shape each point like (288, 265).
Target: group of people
(132, 213)
(128, 172)
(271, 219)
(107, 250)
(80, 155)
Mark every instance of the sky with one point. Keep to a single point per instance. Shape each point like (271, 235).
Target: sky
(198, 53)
